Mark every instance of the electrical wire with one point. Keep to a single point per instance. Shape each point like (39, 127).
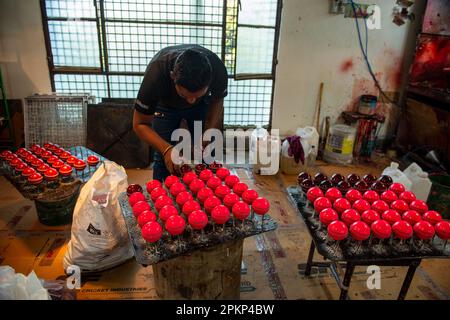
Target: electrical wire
(365, 53)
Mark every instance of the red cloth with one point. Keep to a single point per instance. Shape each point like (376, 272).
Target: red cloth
(296, 149)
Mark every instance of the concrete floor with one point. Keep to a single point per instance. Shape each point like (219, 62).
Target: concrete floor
(273, 260)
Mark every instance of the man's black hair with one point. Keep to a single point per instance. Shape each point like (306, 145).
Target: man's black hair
(192, 70)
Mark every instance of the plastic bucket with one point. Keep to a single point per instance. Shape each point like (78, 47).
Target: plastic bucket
(439, 198)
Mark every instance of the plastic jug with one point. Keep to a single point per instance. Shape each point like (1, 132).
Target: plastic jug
(311, 135)
(397, 175)
(261, 142)
(421, 184)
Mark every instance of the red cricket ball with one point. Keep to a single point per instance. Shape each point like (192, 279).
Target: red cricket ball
(314, 193)
(432, 217)
(231, 180)
(341, 204)
(79, 165)
(322, 203)
(190, 206)
(359, 231)
(183, 197)
(371, 196)
(370, 216)
(170, 180)
(249, 196)
(350, 216)
(213, 183)
(220, 214)
(443, 230)
(35, 178)
(189, 177)
(230, 199)
(198, 220)
(402, 230)
(401, 206)
(162, 201)
(337, 230)
(424, 230)
(419, 205)
(204, 193)
(412, 217)
(176, 188)
(391, 216)
(222, 173)
(327, 216)
(140, 207)
(152, 231)
(153, 184)
(167, 211)
(353, 195)
(221, 191)
(381, 229)
(380, 206)
(389, 196)
(407, 196)
(157, 192)
(196, 185)
(398, 188)
(240, 210)
(211, 203)
(145, 217)
(333, 194)
(205, 175)
(135, 197)
(93, 160)
(175, 225)
(239, 188)
(261, 205)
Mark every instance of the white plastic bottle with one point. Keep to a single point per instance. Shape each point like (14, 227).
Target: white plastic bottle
(397, 175)
(421, 184)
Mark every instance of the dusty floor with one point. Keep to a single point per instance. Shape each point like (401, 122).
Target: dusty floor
(273, 260)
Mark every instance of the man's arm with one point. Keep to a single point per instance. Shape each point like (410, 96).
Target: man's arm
(143, 130)
(214, 114)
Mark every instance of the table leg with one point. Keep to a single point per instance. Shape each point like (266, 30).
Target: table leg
(408, 279)
(310, 258)
(346, 282)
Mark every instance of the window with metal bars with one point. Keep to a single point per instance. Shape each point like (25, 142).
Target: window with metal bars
(102, 47)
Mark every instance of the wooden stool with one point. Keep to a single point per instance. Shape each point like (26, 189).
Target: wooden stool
(211, 273)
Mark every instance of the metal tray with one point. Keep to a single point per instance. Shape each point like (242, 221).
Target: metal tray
(344, 251)
(171, 247)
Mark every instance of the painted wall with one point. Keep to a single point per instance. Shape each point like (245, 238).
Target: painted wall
(22, 49)
(316, 46)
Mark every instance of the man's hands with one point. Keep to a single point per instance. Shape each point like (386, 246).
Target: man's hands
(173, 168)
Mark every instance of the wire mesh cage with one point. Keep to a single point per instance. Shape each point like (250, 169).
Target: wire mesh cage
(56, 118)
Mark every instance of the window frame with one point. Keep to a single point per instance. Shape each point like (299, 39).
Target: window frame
(104, 70)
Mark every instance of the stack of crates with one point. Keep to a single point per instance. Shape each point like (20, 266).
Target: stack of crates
(56, 118)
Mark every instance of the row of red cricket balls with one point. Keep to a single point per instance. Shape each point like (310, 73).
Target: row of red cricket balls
(48, 161)
(396, 212)
(212, 192)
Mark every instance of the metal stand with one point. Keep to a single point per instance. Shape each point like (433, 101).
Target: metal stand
(344, 284)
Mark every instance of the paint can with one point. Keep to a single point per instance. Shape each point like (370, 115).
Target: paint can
(339, 146)
(367, 104)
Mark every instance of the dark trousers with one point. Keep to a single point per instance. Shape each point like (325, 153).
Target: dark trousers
(165, 122)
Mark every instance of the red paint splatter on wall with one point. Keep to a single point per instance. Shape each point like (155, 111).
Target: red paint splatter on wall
(347, 65)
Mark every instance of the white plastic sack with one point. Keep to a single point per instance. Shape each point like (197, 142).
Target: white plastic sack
(16, 286)
(99, 235)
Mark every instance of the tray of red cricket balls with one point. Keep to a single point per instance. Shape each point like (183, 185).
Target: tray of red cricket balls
(48, 171)
(202, 208)
(368, 218)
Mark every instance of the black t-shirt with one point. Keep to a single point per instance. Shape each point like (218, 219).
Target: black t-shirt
(158, 89)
